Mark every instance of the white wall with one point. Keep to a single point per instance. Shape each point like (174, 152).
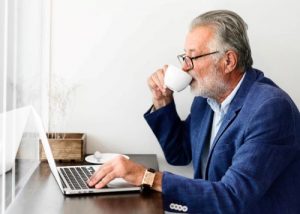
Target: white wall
(104, 51)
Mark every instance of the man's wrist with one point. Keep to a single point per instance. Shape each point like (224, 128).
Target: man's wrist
(148, 180)
(157, 104)
(157, 184)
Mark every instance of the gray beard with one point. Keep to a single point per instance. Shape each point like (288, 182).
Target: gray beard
(213, 87)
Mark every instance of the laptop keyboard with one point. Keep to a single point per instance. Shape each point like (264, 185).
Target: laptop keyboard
(77, 176)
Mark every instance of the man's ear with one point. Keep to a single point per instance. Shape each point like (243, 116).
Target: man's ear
(230, 62)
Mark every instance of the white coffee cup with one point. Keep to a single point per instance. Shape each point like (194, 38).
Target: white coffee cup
(176, 79)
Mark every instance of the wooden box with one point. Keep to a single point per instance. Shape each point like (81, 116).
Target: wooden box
(66, 146)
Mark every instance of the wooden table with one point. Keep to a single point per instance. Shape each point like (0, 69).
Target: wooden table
(42, 195)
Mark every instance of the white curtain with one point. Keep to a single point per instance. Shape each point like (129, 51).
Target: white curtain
(25, 32)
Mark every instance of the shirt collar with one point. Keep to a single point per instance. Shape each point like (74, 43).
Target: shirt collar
(223, 107)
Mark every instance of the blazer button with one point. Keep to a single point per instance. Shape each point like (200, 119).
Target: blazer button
(172, 206)
(184, 208)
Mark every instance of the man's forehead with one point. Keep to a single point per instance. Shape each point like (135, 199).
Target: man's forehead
(198, 38)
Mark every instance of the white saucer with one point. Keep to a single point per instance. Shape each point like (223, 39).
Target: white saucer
(104, 158)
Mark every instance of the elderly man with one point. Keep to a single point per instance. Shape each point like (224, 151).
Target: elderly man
(242, 134)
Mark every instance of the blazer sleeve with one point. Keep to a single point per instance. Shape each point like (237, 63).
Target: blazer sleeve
(271, 143)
(172, 134)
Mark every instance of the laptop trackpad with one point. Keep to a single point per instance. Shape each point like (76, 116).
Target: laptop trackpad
(118, 183)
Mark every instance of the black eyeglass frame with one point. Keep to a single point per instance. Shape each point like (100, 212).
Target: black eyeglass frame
(182, 58)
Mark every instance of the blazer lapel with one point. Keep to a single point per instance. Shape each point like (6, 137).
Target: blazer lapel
(202, 135)
(228, 118)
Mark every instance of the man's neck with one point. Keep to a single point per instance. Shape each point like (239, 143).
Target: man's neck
(232, 80)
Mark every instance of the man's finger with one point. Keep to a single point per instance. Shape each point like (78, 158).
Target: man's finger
(108, 178)
(98, 175)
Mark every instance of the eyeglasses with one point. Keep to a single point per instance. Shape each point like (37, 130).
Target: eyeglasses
(188, 61)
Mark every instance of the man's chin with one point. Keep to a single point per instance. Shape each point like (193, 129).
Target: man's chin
(195, 91)
(198, 92)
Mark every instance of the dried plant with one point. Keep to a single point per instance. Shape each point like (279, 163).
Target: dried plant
(60, 97)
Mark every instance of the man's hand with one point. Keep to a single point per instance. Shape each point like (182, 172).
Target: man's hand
(161, 95)
(119, 167)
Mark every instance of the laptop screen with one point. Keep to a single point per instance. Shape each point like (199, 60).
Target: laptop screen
(46, 146)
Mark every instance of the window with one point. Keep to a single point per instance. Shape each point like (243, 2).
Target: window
(24, 72)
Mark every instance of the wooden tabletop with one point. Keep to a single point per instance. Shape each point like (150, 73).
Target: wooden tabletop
(42, 195)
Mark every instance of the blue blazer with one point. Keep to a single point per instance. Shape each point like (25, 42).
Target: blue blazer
(254, 162)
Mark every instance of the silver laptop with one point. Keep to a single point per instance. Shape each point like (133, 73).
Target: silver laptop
(72, 179)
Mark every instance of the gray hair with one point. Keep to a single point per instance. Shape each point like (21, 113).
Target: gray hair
(230, 32)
